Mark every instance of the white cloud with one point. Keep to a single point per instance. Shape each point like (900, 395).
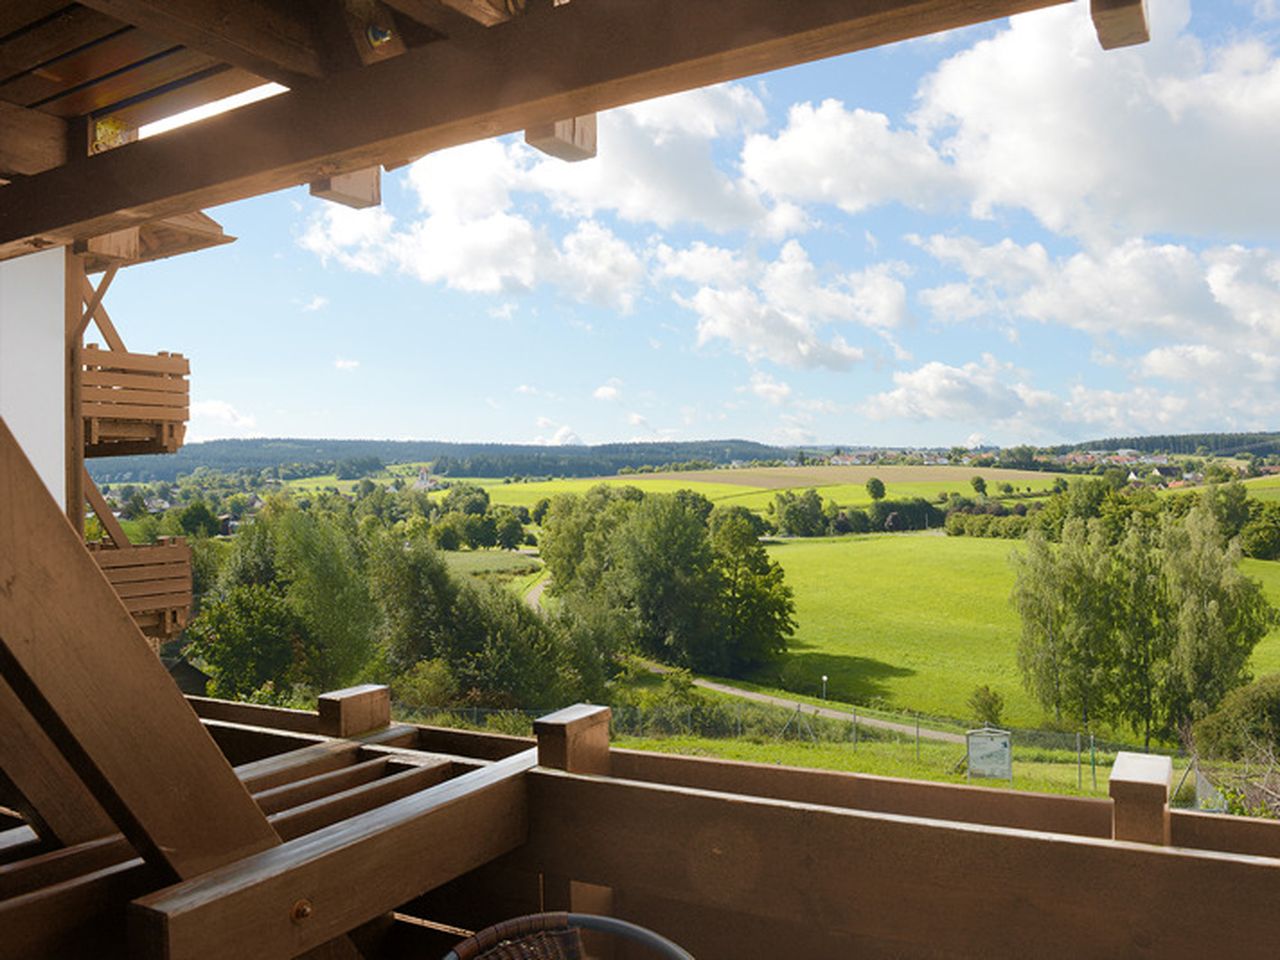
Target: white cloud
(637, 419)
(597, 267)
(767, 388)
(356, 239)
(218, 419)
(564, 436)
(938, 391)
(343, 363)
(609, 390)
(315, 303)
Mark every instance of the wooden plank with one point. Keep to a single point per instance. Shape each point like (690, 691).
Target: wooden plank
(14, 16)
(1083, 816)
(73, 431)
(355, 710)
(172, 365)
(321, 785)
(350, 873)
(500, 81)
(170, 67)
(122, 245)
(487, 12)
(100, 317)
(164, 399)
(53, 799)
(271, 39)
(132, 411)
(119, 576)
(30, 141)
(1253, 836)
(154, 589)
(177, 800)
(1120, 23)
(283, 718)
(146, 554)
(81, 67)
(317, 814)
(177, 600)
(903, 886)
(63, 864)
(72, 28)
(113, 378)
(194, 91)
(90, 306)
(435, 15)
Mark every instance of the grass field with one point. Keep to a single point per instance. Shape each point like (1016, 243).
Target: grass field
(503, 564)
(917, 621)
(1264, 488)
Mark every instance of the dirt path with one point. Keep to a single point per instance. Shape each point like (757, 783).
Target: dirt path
(905, 728)
(533, 596)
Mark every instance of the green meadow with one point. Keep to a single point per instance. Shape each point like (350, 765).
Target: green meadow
(917, 621)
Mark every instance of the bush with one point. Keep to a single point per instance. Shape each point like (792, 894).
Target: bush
(987, 706)
(428, 684)
(1247, 721)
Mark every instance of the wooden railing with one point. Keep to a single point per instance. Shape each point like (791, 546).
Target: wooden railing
(153, 581)
(133, 402)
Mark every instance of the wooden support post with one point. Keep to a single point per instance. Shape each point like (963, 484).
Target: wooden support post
(573, 139)
(75, 659)
(1140, 790)
(119, 245)
(74, 280)
(355, 710)
(1120, 23)
(357, 190)
(575, 739)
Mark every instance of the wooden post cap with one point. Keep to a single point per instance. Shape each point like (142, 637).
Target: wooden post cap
(575, 739)
(355, 710)
(1139, 787)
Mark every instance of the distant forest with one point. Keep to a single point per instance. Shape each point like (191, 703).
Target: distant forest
(1263, 444)
(289, 459)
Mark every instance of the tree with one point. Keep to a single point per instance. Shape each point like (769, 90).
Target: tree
(466, 498)
(979, 485)
(875, 488)
(508, 530)
(247, 639)
(758, 609)
(987, 706)
(197, 520)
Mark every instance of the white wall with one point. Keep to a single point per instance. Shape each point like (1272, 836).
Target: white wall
(32, 361)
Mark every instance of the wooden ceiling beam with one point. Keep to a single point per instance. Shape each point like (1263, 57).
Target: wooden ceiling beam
(1120, 23)
(30, 141)
(499, 81)
(272, 38)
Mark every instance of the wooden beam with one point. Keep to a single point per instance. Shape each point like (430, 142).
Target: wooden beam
(892, 885)
(499, 81)
(102, 510)
(121, 246)
(575, 739)
(71, 653)
(272, 38)
(30, 141)
(73, 281)
(572, 140)
(1120, 23)
(357, 190)
(55, 802)
(99, 314)
(304, 892)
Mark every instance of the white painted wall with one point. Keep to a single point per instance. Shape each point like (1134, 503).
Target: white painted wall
(32, 362)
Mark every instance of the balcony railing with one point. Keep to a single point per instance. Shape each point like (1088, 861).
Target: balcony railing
(133, 402)
(153, 581)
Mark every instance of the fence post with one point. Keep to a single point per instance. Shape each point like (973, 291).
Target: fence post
(1079, 765)
(1139, 791)
(1093, 762)
(354, 710)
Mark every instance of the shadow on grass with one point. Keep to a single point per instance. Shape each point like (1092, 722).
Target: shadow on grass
(849, 678)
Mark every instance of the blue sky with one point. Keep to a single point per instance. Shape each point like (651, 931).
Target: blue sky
(1000, 235)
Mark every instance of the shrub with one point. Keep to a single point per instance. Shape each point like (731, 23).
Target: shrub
(987, 706)
(1247, 721)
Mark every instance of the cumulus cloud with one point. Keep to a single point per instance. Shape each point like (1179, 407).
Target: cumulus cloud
(218, 419)
(767, 388)
(343, 363)
(939, 391)
(611, 389)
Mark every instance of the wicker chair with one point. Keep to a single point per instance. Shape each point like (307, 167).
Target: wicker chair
(555, 936)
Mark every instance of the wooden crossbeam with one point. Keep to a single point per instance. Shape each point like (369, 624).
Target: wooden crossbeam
(30, 141)
(1120, 23)
(75, 659)
(499, 80)
(272, 38)
(416, 843)
(102, 510)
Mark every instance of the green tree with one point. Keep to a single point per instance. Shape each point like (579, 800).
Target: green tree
(247, 639)
(197, 520)
(758, 609)
(508, 530)
(466, 498)
(987, 706)
(979, 485)
(875, 488)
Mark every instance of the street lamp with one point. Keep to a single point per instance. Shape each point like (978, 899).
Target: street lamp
(824, 686)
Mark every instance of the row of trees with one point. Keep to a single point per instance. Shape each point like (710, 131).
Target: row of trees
(1149, 626)
(669, 575)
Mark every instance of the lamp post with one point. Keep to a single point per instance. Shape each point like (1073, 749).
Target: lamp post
(824, 686)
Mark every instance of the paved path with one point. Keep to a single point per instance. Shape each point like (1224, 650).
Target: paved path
(814, 711)
(533, 596)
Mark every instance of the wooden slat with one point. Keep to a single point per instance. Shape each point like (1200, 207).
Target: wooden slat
(100, 678)
(504, 79)
(354, 801)
(205, 87)
(145, 555)
(119, 576)
(74, 27)
(168, 601)
(257, 714)
(157, 398)
(83, 66)
(14, 16)
(463, 823)
(132, 411)
(166, 68)
(112, 378)
(155, 590)
(64, 864)
(30, 141)
(272, 39)
(321, 785)
(101, 318)
(172, 365)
